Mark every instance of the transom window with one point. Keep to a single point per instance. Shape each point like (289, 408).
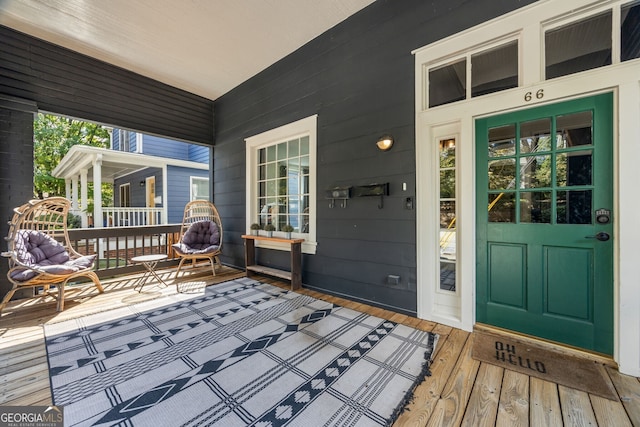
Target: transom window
(480, 72)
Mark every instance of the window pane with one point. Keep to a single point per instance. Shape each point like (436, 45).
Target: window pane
(447, 276)
(495, 69)
(271, 153)
(574, 168)
(535, 207)
(262, 155)
(448, 83)
(502, 174)
(535, 136)
(294, 148)
(262, 172)
(502, 141)
(271, 170)
(574, 130)
(579, 46)
(574, 207)
(282, 169)
(502, 207)
(629, 34)
(535, 171)
(304, 146)
(447, 153)
(282, 151)
(447, 214)
(447, 184)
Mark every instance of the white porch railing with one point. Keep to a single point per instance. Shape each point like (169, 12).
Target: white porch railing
(131, 217)
(124, 217)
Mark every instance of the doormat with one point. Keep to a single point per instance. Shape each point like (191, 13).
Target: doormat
(242, 353)
(543, 362)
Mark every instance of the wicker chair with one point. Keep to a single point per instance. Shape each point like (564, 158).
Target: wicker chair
(200, 235)
(39, 251)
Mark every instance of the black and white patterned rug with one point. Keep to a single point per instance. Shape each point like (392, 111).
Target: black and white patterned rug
(243, 353)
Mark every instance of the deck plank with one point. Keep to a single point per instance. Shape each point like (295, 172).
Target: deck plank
(513, 410)
(428, 393)
(450, 408)
(482, 408)
(609, 413)
(576, 408)
(544, 403)
(629, 390)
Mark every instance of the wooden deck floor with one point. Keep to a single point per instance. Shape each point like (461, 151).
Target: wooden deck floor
(460, 391)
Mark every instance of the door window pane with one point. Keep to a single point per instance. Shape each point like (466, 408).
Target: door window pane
(579, 46)
(574, 207)
(535, 171)
(535, 207)
(574, 168)
(495, 69)
(502, 141)
(502, 174)
(629, 34)
(535, 136)
(502, 207)
(448, 83)
(574, 130)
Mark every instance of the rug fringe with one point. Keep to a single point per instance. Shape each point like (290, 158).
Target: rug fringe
(410, 394)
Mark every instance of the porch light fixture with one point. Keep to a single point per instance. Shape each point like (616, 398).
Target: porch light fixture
(141, 183)
(385, 142)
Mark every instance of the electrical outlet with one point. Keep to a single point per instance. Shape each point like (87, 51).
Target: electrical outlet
(392, 279)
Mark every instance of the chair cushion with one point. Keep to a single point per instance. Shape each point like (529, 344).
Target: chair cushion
(40, 250)
(37, 248)
(201, 237)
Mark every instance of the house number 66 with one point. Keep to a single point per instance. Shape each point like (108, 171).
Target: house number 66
(529, 95)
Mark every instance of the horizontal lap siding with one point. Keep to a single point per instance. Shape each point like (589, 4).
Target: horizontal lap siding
(65, 82)
(359, 78)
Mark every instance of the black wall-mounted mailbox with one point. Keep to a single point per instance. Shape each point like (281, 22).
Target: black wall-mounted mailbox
(379, 190)
(371, 190)
(340, 193)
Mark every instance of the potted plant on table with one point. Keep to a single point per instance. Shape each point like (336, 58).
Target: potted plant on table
(254, 228)
(269, 228)
(287, 228)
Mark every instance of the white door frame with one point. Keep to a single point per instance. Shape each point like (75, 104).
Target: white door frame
(623, 79)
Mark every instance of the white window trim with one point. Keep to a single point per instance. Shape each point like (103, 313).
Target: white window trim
(303, 127)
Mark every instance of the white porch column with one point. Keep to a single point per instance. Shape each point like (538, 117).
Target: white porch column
(84, 197)
(74, 193)
(67, 188)
(97, 191)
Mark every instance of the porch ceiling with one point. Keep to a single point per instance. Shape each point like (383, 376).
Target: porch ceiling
(206, 47)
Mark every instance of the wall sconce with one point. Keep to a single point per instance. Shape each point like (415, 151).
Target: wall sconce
(141, 183)
(385, 142)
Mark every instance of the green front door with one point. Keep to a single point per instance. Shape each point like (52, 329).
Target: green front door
(545, 222)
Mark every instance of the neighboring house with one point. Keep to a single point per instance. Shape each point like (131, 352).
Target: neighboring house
(512, 181)
(153, 178)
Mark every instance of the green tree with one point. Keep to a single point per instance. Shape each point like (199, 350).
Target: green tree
(53, 137)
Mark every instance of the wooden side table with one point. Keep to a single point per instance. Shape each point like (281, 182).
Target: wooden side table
(149, 262)
(295, 275)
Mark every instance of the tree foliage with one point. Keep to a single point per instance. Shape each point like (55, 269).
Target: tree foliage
(53, 137)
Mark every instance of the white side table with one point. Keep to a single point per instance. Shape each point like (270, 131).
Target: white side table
(149, 262)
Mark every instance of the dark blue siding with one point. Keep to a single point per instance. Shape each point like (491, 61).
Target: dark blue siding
(359, 78)
(179, 192)
(199, 153)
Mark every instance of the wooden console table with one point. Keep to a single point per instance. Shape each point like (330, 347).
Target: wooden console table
(295, 275)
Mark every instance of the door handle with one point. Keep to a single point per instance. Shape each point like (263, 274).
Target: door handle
(602, 236)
